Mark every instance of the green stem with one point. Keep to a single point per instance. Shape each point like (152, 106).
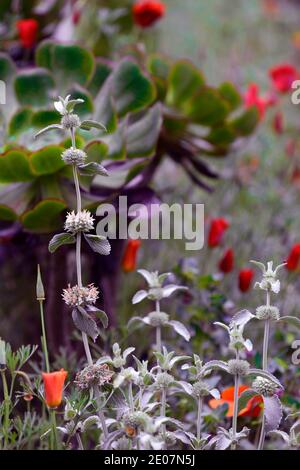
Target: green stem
(163, 406)
(54, 439)
(130, 397)
(265, 367)
(6, 409)
(44, 337)
(235, 406)
(199, 416)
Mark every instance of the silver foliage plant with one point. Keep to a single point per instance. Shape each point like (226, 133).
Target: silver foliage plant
(128, 400)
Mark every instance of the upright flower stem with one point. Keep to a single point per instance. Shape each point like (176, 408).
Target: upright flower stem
(158, 328)
(44, 337)
(265, 367)
(78, 250)
(6, 408)
(235, 406)
(54, 439)
(163, 406)
(199, 417)
(130, 397)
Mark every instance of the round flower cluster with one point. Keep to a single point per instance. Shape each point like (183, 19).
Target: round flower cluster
(265, 312)
(169, 438)
(95, 374)
(70, 121)
(131, 422)
(74, 156)
(163, 380)
(80, 222)
(264, 387)
(158, 318)
(200, 389)
(74, 296)
(238, 367)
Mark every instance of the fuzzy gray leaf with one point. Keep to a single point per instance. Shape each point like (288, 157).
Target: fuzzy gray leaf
(139, 296)
(89, 124)
(241, 318)
(180, 329)
(91, 169)
(98, 244)
(84, 322)
(272, 412)
(100, 314)
(48, 128)
(215, 365)
(265, 375)
(170, 289)
(59, 240)
(294, 321)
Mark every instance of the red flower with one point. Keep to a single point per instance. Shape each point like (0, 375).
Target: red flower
(252, 98)
(28, 30)
(54, 384)
(216, 231)
(283, 76)
(278, 122)
(147, 12)
(253, 407)
(226, 263)
(293, 261)
(130, 255)
(245, 279)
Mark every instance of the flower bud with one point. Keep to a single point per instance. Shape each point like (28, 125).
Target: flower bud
(264, 387)
(70, 121)
(158, 318)
(267, 312)
(238, 367)
(80, 222)
(73, 156)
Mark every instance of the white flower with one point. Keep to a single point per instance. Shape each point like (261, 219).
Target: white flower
(65, 105)
(74, 296)
(80, 222)
(269, 281)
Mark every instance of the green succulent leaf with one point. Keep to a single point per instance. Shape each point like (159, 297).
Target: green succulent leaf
(132, 90)
(96, 151)
(14, 167)
(101, 72)
(7, 213)
(184, 81)
(44, 217)
(142, 136)
(20, 122)
(85, 108)
(45, 118)
(43, 54)
(7, 68)
(47, 160)
(71, 64)
(230, 94)
(206, 107)
(59, 240)
(245, 124)
(34, 87)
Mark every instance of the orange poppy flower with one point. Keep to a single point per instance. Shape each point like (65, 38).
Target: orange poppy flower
(53, 385)
(252, 409)
(130, 255)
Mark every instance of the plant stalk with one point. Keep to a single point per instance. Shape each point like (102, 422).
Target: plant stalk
(44, 337)
(235, 406)
(6, 408)
(199, 417)
(54, 439)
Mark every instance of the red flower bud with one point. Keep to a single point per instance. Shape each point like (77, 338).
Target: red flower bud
(245, 279)
(293, 261)
(54, 384)
(28, 30)
(147, 12)
(252, 98)
(130, 255)
(283, 76)
(227, 261)
(216, 231)
(278, 122)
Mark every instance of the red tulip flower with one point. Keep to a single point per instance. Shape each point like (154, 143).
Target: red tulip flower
(278, 122)
(54, 385)
(130, 255)
(245, 279)
(252, 409)
(147, 12)
(216, 231)
(28, 30)
(227, 261)
(293, 261)
(253, 98)
(283, 76)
